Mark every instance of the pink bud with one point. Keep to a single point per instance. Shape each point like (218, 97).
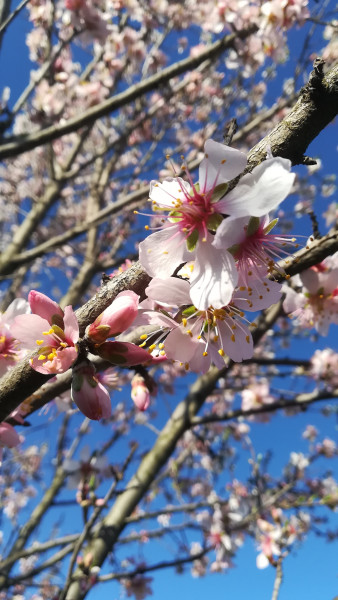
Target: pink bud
(115, 319)
(8, 436)
(124, 354)
(45, 307)
(89, 394)
(140, 393)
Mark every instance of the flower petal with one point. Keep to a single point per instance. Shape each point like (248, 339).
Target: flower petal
(261, 191)
(237, 342)
(169, 192)
(71, 325)
(29, 328)
(61, 362)
(231, 232)
(162, 252)
(214, 277)
(43, 306)
(171, 291)
(221, 164)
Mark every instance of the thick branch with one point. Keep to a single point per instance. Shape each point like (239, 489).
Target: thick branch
(314, 110)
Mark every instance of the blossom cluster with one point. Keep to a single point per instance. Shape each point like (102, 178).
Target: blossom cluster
(313, 298)
(224, 234)
(52, 333)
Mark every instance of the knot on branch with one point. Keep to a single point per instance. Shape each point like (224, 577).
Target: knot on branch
(314, 89)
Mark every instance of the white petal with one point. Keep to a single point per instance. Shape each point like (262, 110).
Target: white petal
(162, 252)
(214, 277)
(221, 164)
(231, 231)
(168, 192)
(171, 291)
(262, 561)
(261, 191)
(262, 295)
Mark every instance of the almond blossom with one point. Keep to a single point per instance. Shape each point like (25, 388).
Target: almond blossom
(205, 337)
(196, 211)
(51, 331)
(250, 241)
(9, 346)
(316, 304)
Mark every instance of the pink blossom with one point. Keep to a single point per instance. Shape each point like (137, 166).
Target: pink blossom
(116, 318)
(126, 354)
(90, 396)
(328, 448)
(140, 393)
(256, 396)
(254, 247)
(54, 331)
(324, 366)
(9, 438)
(9, 346)
(316, 304)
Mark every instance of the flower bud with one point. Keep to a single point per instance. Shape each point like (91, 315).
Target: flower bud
(115, 319)
(140, 393)
(90, 396)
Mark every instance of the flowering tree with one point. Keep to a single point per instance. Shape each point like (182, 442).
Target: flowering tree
(125, 101)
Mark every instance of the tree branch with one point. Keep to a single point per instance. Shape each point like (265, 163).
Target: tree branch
(18, 145)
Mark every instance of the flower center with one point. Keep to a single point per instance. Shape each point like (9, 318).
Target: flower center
(48, 348)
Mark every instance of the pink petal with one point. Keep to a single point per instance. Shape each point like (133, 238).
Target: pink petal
(262, 295)
(89, 395)
(180, 346)
(29, 328)
(43, 306)
(237, 343)
(8, 436)
(71, 325)
(61, 362)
